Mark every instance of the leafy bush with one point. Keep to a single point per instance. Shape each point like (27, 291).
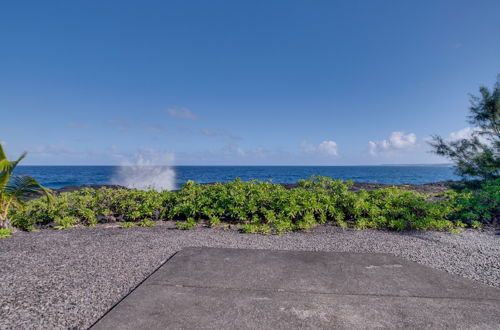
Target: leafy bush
(66, 222)
(475, 224)
(5, 232)
(128, 224)
(146, 223)
(481, 205)
(262, 207)
(87, 205)
(185, 225)
(399, 209)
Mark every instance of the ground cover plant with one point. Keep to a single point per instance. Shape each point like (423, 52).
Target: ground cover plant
(263, 207)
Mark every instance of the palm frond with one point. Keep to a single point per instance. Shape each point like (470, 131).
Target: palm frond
(14, 163)
(7, 167)
(5, 172)
(22, 187)
(4, 165)
(2, 153)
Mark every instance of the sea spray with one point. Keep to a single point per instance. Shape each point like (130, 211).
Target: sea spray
(149, 171)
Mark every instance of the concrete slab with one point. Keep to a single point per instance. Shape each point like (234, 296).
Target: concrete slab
(253, 289)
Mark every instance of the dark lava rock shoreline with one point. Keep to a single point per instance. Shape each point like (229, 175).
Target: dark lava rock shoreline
(426, 188)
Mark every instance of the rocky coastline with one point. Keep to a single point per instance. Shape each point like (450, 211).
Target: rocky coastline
(426, 188)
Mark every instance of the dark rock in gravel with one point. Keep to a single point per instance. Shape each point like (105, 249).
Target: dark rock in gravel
(106, 218)
(50, 225)
(156, 215)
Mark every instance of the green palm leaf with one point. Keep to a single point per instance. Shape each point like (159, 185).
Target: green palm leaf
(23, 187)
(2, 153)
(14, 190)
(7, 167)
(4, 165)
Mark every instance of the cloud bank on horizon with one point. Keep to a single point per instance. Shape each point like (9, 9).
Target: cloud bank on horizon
(325, 152)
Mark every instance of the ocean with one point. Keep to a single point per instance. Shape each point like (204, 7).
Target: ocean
(59, 176)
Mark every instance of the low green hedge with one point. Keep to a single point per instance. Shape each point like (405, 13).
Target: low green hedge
(268, 208)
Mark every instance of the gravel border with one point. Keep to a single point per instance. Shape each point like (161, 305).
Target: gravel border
(68, 279)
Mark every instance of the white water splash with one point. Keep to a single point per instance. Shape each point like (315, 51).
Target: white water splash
(149, 171)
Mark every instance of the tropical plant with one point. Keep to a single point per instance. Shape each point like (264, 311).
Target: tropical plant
(479, 155)
(262, 207)
(66, 222)
(5, 232)
(128, 224)
(190, 223)
(147, 223)
(481, 205)
(15, 189)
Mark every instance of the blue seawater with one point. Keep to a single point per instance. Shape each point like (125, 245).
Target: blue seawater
(59, 176)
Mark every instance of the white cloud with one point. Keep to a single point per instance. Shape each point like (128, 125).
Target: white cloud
(428, 139)
(327, 148)
(464, 133)
(396, 141)
(183, 113)
(467, 133)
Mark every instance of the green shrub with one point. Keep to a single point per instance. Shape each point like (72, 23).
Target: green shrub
(146, 223)
(65, 222)
(262, 207)
(185, 225)
(475, 224)
(87, 204)
(252, 228)
(128, 224)
(213, 220)
(481, 204)
(5, 232)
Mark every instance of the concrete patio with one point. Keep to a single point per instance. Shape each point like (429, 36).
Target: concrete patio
(214, 288)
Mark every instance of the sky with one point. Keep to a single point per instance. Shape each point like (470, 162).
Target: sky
(241, 82)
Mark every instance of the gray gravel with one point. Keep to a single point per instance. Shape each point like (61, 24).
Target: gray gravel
(68, 279)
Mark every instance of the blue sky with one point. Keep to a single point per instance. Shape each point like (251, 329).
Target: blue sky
(241, 82)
